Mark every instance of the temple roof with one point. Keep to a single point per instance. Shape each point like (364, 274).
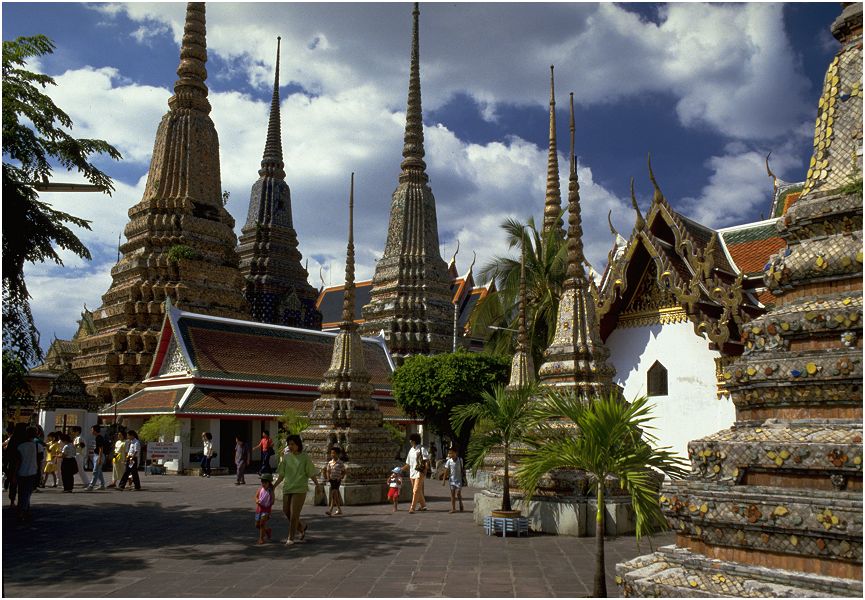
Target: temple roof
(235, 351)
(216, 366)
(711, 277)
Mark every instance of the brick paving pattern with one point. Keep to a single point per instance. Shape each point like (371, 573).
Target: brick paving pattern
(194, 537)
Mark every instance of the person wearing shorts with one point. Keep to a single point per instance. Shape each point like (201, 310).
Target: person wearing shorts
(263, 507)
(394, 485)
(334, 472)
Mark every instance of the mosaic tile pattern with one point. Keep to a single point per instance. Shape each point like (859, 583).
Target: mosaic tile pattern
(180, 239)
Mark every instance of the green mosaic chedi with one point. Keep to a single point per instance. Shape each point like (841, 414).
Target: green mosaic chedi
(773, 506)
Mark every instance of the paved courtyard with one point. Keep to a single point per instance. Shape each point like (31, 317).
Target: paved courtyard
(194, 537)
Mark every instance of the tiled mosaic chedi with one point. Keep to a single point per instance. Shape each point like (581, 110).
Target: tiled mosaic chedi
(180, 240)
(773, 506)
(275, 281)
(411, 298)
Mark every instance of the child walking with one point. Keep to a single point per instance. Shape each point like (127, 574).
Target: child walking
(334, 471)
(263, 507)
(454, 474)
(394, 485)
(51, 458)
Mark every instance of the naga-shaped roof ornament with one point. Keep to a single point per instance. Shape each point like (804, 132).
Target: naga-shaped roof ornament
(413, 165)
(658, 195)
(640, 221)
(454, 257)
(553, 198)
(771, 175)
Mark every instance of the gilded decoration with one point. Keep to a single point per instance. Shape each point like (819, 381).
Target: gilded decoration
(651, 304)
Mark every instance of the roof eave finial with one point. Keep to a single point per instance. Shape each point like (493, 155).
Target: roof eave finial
(271, 161)
(771, 174)
(640, 223)
(553, 196)
(454, 258)
(348, 296)
(413, 165)
(610, 223)
(658, 195)
(190, 90)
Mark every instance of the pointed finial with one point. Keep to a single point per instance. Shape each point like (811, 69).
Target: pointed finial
(610, 222)
(770, 173)
(413, 165)
(271, 162)
(553, 198)
(474, 258)
(522, 338)
(658, 196)
(576, 256)
(348, 296)
(640, 222)
(189, 90)
(454, 259)
(321, 276)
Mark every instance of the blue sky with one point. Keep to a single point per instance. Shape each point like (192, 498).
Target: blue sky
(707, 89)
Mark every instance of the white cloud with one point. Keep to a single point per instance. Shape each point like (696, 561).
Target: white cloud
(713, 59)
(738, 185)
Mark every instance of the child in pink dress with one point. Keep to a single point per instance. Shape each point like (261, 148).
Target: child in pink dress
(263, 507)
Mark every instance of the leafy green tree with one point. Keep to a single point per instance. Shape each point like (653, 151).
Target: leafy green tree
(290, 421)
(35, 142)
(546, 262)
(160, 427)
(430, 387)
(612, 441)
(16, 392)
(501, 418)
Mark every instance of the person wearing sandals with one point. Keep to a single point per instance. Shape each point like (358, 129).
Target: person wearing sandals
(334, 471)
(118, 466)
(416, 463)
(296, 469)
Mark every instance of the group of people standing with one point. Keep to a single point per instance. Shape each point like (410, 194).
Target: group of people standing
(31, 458)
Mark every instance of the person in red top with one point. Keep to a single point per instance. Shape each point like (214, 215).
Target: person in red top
(266, 445)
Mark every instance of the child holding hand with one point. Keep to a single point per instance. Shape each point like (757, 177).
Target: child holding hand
(263, 507)
(394, 484)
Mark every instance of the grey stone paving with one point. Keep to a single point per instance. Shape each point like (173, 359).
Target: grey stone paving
(195, 537)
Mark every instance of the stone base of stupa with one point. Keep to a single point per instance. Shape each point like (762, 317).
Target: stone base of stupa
(673, 572)
(562, 515)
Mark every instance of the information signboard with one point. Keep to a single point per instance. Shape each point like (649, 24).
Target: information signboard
(163, 450)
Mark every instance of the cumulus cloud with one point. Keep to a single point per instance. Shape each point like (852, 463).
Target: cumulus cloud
(738, 185)
(713, 59)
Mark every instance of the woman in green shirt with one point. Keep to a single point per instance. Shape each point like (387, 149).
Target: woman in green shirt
(295, 468)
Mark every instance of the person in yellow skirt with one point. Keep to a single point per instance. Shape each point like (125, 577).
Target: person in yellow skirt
(52, 453)
(119, 464)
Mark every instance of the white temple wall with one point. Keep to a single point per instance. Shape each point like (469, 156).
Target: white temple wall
(691, 409)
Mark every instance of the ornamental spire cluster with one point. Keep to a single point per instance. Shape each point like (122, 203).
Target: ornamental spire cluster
(553, 198)
(577, 358)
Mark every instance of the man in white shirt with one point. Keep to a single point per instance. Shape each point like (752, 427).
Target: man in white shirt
(80, 453)
(417, 463)
(133, 456)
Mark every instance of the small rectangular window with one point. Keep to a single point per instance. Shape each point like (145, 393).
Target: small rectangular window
(656, 380)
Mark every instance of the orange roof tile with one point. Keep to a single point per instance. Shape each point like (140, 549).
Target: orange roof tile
(752, 256)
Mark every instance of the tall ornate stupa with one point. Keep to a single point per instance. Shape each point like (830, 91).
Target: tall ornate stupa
(180, 239)
(773, 506)
(522, 364)
(411, 298)
(553, 196)
(275, 282)
(577, 357)
(346, 415)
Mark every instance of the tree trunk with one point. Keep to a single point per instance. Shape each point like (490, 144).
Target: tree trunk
(600, 568)
(506, 485)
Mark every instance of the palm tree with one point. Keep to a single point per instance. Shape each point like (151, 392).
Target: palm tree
(612, 441)
(546, 258)
(501, 418)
